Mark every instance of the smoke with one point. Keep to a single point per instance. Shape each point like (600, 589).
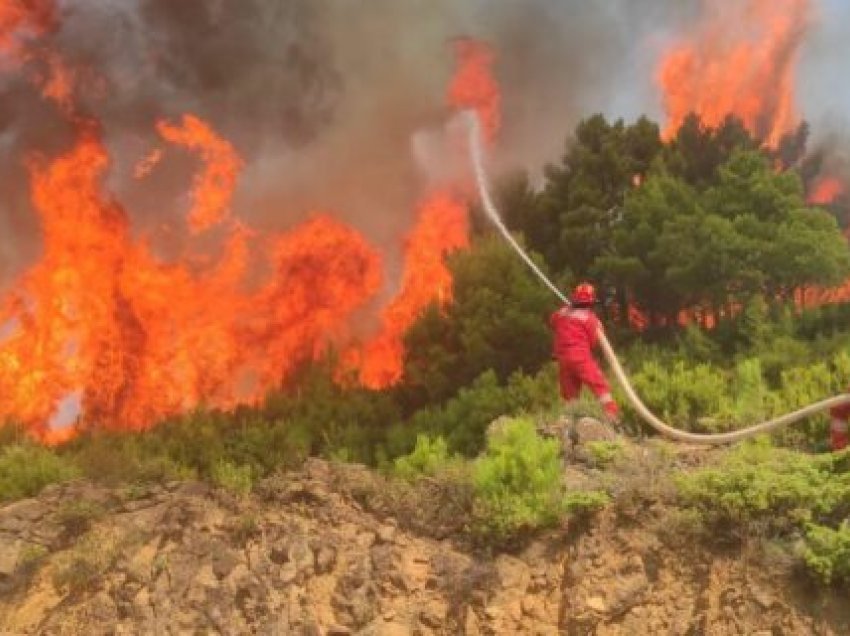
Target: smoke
(322, 98)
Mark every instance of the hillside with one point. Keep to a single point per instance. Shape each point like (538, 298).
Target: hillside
(338, 549)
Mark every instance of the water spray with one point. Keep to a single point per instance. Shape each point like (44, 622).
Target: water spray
(476, 149)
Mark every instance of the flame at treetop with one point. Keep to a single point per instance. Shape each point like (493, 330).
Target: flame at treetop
(825, 190)
(474, 86)
(741, 59)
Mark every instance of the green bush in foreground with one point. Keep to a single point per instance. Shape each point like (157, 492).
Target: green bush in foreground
(232, 477)
(779, 488)
(604, 452)
(517, 483)
(27, 468)
(428, 458)
(827, 552)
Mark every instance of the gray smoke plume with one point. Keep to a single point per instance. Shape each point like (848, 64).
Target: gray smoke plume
(322, 98)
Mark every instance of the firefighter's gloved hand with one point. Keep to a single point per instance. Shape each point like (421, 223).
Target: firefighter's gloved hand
(612, 415)
(613, 419)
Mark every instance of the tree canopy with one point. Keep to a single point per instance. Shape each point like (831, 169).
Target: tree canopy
(703, 222)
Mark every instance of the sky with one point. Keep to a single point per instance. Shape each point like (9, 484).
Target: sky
(824, 78)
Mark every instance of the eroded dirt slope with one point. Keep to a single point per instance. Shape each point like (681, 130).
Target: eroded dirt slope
(303, 556)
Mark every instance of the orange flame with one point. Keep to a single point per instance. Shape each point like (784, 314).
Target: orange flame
(825, 190)
(57, 83)
(21, 19)
(740, 60)
(214, 186)
(103, 329)
(474, 86)
(441, 229)
(138, 339)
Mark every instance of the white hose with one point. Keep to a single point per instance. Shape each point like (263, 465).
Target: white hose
(476, 147)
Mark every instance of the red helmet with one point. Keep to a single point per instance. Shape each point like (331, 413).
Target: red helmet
(584, 294)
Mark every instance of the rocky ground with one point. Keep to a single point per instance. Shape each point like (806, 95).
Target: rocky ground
(305, 555)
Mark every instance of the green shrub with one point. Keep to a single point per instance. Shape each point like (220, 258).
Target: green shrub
(604, 452)
(113, 458)
(27, 468)
(517, 482)
(428, 458)
(751, 401)
(234, 478)
(463, 419)
(775, 488)
(681, 393)
(827, 552)
(583, 504)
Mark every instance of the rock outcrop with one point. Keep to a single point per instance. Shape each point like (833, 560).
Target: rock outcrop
(302, 556)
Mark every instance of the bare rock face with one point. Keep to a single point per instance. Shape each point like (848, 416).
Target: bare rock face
(302, 557)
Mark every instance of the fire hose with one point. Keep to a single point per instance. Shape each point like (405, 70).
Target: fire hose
(476, 148)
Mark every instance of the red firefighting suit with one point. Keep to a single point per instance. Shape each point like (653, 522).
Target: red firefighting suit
(838, 426)
(576, 334)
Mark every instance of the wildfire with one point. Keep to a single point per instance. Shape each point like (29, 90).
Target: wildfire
(138, 339)
(22, 19)
(103, 332)
(213, 186)
(741, 59)
(474, 86)
(825, 190)
(441, 229)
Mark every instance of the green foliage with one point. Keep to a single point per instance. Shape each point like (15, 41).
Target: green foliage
(708, 397)
(827, 552)
(603, 452)
(26, 468)
(428, 458)
(112, 457)
(496, 322)
(682, 393)
(697, 151)
(232, 477)
(585, 503)
(778, 489)
(584, 192)
(703, 223)
(518, 482)
(462, 420)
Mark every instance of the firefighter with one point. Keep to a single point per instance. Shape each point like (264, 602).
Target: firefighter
(838, 416)
(576, 334)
